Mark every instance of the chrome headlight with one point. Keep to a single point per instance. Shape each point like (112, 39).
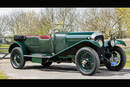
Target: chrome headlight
(100, 42)
(112, 42)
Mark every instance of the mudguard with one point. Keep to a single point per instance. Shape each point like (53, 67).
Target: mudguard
(87, 41)
(116, 42)
(120, 42)
(18, 44)
(91, 41)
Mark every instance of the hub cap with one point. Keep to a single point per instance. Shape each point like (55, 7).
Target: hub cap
(86, 61)
(115, 59)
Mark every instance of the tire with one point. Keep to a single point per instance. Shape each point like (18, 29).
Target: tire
(93, 63)
(122, 60)
(17, 59)
(46, 64)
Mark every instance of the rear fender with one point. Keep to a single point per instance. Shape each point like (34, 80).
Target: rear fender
(18, 44)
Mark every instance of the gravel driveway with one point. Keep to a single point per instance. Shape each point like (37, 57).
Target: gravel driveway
(57, 71)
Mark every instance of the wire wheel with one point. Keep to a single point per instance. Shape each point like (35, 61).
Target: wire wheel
(87, 61)
(17, 59)
(118, 59)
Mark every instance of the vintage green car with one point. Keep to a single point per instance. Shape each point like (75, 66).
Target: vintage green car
(88, 50)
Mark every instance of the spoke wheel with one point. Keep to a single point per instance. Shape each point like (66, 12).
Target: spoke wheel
(115, 59)
(118, 59)
(87, 61)
(17, 59)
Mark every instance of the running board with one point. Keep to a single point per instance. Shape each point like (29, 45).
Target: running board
(38, 56)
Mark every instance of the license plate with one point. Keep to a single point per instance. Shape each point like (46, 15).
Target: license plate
(113, 63)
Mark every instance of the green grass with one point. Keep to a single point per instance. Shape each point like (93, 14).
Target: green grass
(2, 76)
(128, 63)
(4, 51)
(127, 51)
(4, 46)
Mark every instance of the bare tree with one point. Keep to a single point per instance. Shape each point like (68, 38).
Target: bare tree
(98, 19)
(22, 23)
(3, 25)
(66, 18)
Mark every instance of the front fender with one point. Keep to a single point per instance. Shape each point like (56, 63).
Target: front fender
(83, 41)
(94, 43)
(18, 44)
(116, 42)
(88, 41)
(120, 42)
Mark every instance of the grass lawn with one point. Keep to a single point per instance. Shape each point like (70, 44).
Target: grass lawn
(127, 51)
(4, 51)
(4, 46)
(128, 60)
(2, 76)
(128, 63)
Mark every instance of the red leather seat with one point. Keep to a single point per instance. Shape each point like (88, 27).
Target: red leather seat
(40, 36)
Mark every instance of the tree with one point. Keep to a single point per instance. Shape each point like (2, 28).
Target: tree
(97, 19)
(66, 18)
(23, 23)
(3, 25)
(123, 15)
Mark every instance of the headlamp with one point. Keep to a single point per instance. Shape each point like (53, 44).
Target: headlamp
(112, 42)
(100, 42)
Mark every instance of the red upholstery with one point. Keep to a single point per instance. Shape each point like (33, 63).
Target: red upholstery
(40, 36)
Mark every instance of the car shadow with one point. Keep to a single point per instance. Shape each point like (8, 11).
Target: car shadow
(54, 68)
(103, 71)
